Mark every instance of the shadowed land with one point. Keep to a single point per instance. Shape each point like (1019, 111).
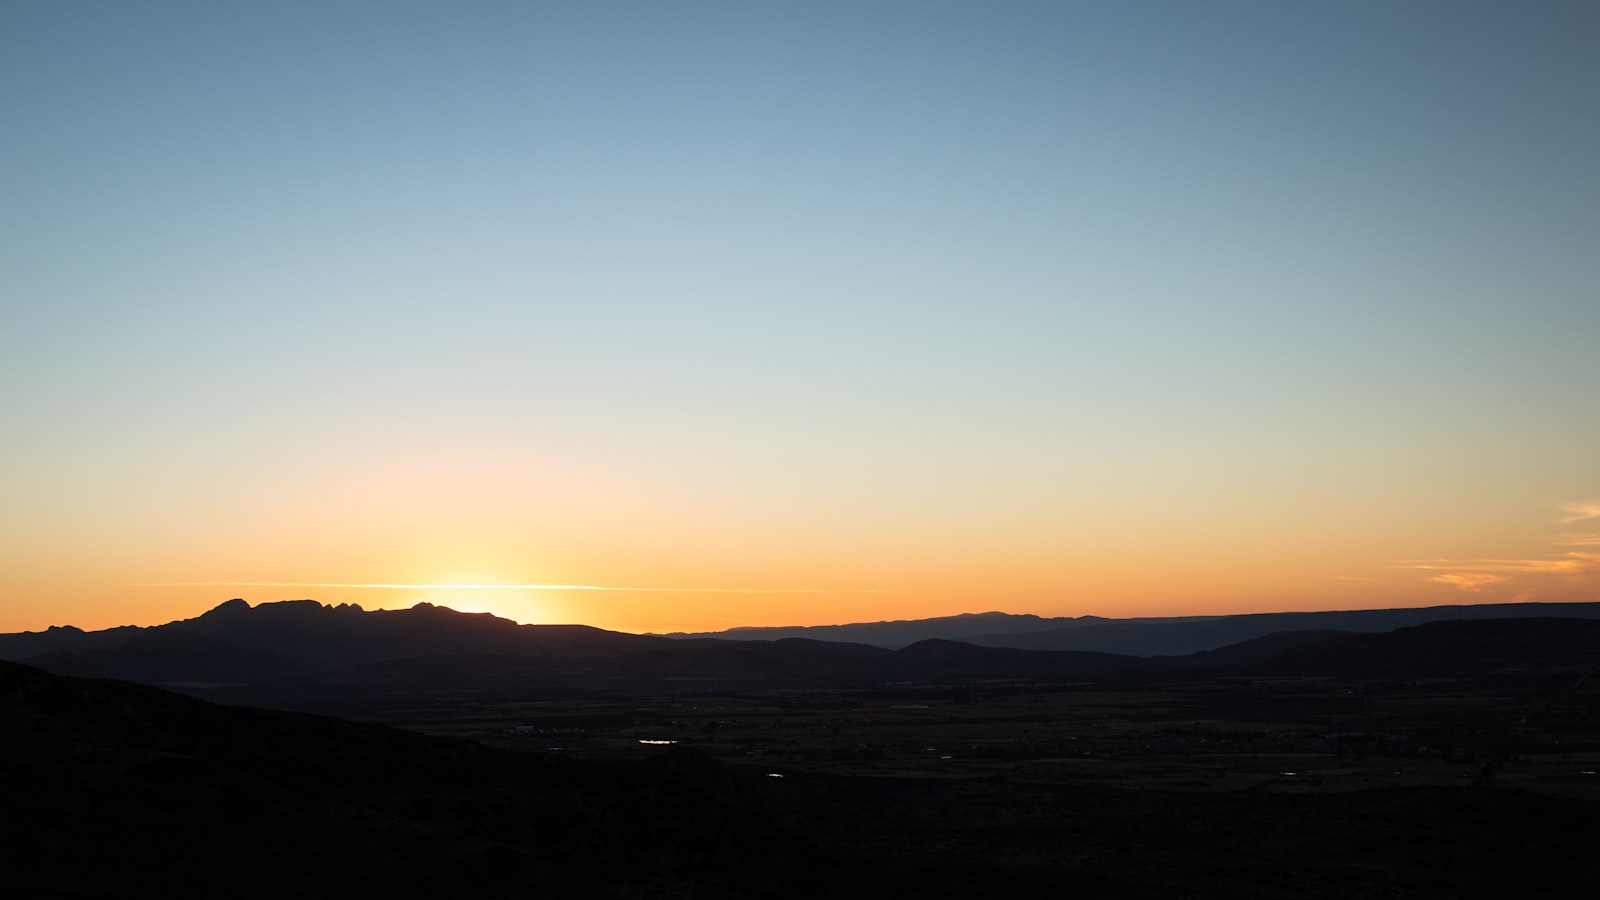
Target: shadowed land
(1455, 758)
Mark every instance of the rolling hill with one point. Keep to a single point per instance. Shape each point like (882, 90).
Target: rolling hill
(116, 789)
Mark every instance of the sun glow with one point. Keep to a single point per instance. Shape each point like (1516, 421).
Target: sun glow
(468, 586)
(525, 602)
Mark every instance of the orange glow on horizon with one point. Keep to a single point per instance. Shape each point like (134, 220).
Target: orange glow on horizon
(629, 549)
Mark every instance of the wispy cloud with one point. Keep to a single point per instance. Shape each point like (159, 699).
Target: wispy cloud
(391, 586)
(1471, 583)
(1579, 510)
(1473, 575)
(1572, 564)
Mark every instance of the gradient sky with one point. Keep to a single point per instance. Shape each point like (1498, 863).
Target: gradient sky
(905, 308)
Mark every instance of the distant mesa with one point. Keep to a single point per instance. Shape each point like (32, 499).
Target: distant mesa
(1161, 636)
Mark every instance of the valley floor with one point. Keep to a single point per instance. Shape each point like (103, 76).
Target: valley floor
(1203, 787)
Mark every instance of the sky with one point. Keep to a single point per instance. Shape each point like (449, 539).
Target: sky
(791, 313)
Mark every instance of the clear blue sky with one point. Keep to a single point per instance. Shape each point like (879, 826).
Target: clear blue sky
(1072, 273)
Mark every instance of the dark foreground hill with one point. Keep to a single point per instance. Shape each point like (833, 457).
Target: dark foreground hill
(114, 789)
(1444, 649)
(1436, 649)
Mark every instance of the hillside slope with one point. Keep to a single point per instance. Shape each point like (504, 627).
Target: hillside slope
(120, 789)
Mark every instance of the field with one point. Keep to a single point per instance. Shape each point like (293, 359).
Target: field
(1536, 731)
(1259, 786)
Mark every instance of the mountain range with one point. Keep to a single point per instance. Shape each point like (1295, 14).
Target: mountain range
(303, 654)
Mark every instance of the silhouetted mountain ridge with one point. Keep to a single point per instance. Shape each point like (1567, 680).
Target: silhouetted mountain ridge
(897, 633)
(307, 655)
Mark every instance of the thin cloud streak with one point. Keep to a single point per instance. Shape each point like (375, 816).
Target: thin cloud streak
(1474, 574)
(506, 587)
(1580, 510)
(1467, 582)
(1575, 564)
